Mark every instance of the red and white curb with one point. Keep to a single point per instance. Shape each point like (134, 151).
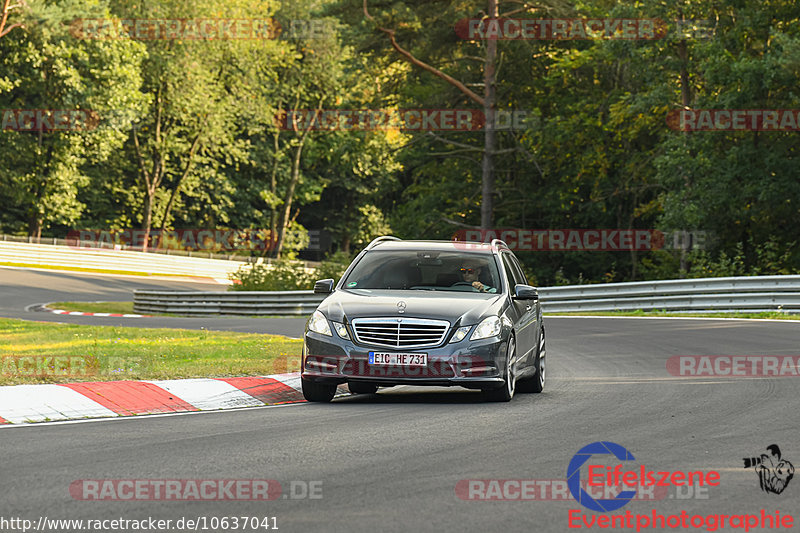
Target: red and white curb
(78, 313)
(21, 404)
(44, 309)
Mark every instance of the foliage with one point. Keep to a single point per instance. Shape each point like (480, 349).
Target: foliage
(770, 260)
(280, 275)
(333, 267)
(287, 275)
(598, 155)
(46, 68)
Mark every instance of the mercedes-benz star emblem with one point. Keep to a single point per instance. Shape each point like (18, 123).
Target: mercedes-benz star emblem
(401, 306)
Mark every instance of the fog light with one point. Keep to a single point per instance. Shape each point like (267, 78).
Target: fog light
(341, 330)
(479, 370)
(460, 333)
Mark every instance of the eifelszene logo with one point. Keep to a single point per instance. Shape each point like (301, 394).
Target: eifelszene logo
(774, 473)
(611, 479)
(574, 476)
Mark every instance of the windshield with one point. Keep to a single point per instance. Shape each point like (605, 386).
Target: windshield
(425, 270)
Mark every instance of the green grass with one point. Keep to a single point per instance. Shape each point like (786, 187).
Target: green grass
(771, 315)
(37, 352)
(125, 308)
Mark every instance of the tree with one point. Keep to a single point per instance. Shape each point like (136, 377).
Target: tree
(193, 106)
(489, 82)
(5, 13)
(52, 71)
(311, 77)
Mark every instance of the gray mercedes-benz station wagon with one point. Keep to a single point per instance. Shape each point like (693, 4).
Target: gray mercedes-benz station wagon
(437, 313)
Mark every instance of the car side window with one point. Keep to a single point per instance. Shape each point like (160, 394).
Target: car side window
(518, 268)
(513, 277)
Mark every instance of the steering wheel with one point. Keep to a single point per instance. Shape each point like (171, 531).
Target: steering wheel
(465, 283)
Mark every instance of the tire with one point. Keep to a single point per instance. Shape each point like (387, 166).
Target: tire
(318, 392)
(357, 387)
(536, 383)
(506, 392)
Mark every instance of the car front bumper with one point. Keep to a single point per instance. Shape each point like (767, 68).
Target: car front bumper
(469, 364)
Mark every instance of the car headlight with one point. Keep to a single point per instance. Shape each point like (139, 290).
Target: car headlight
(460, 333)
(319, 324)
(341, 330)
(489, 327)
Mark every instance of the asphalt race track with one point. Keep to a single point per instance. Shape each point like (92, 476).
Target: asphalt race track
(20, 288)
(392, 462)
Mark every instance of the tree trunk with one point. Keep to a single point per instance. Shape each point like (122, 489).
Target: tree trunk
(273, 189)
(35, 226)
(490, 135)
(287, 203)
(148, 217)
(487, 101)
(686, 100)
(634, 251)
(181, 179)
(153, 177)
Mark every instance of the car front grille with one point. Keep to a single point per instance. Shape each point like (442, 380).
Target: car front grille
(400, 332)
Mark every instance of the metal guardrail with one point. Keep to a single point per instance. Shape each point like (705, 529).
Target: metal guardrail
(284, 303)
(751, 294)
(731, 294)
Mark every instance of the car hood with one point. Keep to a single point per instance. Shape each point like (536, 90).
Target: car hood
(466, 307)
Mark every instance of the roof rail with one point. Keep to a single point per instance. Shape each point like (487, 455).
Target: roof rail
(376, 240)
(496, 243)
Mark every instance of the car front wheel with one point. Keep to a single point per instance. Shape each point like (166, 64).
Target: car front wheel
(318, 392)
(506, 392)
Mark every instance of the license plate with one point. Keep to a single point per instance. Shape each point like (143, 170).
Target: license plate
(398, 359)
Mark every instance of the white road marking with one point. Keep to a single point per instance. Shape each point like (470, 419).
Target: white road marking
(140, 417)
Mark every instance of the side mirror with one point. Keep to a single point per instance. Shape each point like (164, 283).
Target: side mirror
(323, 286)
(525, 292)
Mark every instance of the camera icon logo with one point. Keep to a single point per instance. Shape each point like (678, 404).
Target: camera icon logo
(774, 472)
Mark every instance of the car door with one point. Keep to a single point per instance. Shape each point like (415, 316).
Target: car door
(526, 312)
(536, 310)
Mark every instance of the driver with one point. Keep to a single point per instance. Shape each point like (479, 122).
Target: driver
(470, 272)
